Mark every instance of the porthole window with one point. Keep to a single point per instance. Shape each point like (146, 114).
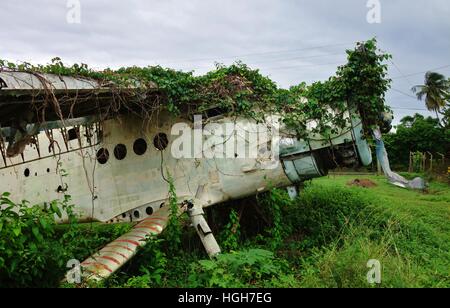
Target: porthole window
(73, 133)
(140, 147)
(102, 156)
(149, 211)
(120, 151)
(161, 141)
(136, 214)
(26, 173)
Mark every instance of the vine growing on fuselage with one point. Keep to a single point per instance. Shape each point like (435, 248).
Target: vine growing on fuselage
(238, 90)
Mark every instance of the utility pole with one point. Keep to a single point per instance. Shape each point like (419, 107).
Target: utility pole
(410, 170)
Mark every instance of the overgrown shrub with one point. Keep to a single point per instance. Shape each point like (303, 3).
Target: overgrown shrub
(248, 268)
(148, 269)
(276, 205)
(34, 249)
(30, 252)
(230, 235)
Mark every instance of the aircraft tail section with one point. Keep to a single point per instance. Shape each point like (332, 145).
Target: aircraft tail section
(394, 178)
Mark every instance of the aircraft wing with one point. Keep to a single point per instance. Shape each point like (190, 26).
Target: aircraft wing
(40, 98)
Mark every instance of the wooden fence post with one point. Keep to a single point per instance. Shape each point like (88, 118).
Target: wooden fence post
(410, 162)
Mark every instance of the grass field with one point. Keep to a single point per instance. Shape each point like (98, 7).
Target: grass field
(408, 231)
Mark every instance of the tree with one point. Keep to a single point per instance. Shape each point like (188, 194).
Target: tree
(446, 117)
(416, 133)
(435, 91)
(448, 90)
(446, 111)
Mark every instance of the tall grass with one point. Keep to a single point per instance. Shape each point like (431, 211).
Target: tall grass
(345, 227)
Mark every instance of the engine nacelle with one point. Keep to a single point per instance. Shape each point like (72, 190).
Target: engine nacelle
(304, 160)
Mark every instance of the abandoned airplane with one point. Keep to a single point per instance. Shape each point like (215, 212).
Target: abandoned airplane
(117, 168)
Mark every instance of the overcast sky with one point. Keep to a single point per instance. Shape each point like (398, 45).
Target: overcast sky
(289, 40)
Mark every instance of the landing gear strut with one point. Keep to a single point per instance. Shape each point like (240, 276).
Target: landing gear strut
(196, 214)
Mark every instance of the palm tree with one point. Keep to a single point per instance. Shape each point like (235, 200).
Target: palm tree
(448, 92)
(435, 91)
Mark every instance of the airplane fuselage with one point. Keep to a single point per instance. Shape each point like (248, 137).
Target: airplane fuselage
(120, 170)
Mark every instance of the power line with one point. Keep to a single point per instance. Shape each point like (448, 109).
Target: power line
(419, 73)
(297, 58)
(411, 109)
(256, 54)
(282, 60)
(290, 66)
(405, 108)
(403, 97)
(300, 66)
(404, 93)
(403, 75)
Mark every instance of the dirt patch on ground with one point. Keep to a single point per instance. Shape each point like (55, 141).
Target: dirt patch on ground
(362, 183)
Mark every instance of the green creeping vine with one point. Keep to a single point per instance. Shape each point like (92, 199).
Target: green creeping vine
(360, 84)
(230, 236)
(173, 231)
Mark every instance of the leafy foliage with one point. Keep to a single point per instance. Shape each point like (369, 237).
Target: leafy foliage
(446, 115)
(359, 85)
(230, 235)
(173, 231)
(246, 268)
(34, 250)
(276, 204)
(28, 242)
(238, 90)
(152, 263)
(417, 133)
(434, 91)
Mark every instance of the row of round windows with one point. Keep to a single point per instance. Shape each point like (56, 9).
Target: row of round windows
(160, 142)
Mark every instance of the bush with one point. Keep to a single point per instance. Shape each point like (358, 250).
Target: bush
(321, 213)
(34, 249)
(230, 235)
(277, 204)
(248, 268)
(31, 254)
(149, 266)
